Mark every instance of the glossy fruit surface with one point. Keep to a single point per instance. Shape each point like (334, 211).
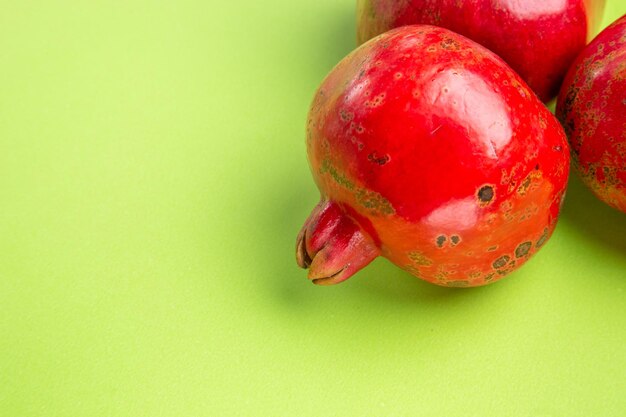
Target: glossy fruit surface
(538, 38)
(592, 108)
(429, 150)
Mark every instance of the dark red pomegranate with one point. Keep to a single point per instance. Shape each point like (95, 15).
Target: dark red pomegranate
(592, 108)
(538, 38)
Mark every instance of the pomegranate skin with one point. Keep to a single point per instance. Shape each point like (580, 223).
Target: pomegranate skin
(430, 151)
(592, 108)
(538, 38)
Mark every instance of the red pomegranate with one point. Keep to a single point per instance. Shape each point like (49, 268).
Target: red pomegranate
(430, 151)
(592, 108)
(538, 38)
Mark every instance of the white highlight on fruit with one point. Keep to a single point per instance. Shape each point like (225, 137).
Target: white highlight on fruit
(473, 104)
(456, 215)
(531, 9)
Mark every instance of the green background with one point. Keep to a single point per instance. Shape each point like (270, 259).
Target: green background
(153, 179)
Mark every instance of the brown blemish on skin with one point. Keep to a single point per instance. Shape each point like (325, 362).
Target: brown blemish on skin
(508, 217)
(346, 116)
(523, 249)
(521, 190)
(418, 258)
(528, 214)
(501, 262)
(441, 240)
(489, 277)
(442, 275)
(376, 101)
(371, 200)
(374, 202)
(450, 44)
(474, 275)
(457, 284)
(380, 160)
(542, 239)
(490, 218)
(357, 127)
(510, 177)
(509, 268)
(486, 194)
(454, 239)
(492, 248)
(506, 207)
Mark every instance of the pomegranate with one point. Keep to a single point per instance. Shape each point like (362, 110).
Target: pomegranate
(592, 108)
(430, 151)
(538, 38)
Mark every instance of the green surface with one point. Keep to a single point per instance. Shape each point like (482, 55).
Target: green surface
(153, 179)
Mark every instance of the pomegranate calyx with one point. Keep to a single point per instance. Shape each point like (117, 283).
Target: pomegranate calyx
(332, 245)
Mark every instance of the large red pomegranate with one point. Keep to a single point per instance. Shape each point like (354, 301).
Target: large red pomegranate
(592, 108)
(430, 151)
(538, 38)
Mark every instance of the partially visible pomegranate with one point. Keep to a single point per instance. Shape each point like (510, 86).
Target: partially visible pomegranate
(538, 38)
(592, 108)
(430, 151)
